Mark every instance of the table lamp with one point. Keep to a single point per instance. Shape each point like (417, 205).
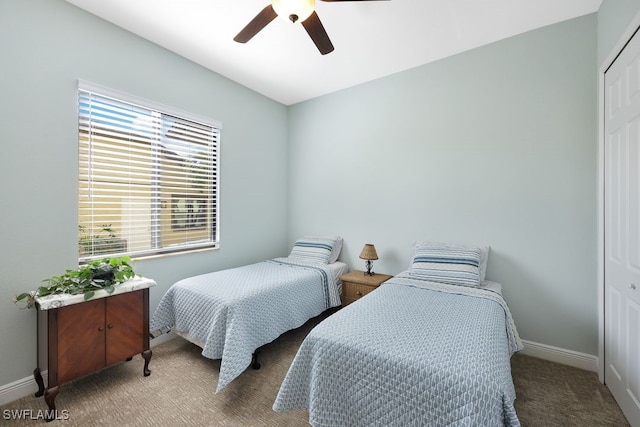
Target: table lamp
(369, 253)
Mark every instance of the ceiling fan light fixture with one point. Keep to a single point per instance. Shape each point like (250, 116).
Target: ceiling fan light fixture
(294, 10)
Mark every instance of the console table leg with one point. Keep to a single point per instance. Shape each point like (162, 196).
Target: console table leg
(147, 357)
(50, 398)
(38, 377)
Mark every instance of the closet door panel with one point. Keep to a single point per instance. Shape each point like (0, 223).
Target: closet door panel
(622, 230)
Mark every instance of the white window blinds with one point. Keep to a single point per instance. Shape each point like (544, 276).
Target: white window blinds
(148, 177)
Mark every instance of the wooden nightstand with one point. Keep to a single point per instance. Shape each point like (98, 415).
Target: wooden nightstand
(356, 284)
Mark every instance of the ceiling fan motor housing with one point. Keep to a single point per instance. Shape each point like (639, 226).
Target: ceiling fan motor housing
(294, 10)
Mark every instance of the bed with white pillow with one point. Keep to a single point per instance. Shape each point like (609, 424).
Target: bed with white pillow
(430, 346)
(231, 313)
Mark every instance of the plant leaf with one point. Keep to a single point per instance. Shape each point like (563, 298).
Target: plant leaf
(22, 296)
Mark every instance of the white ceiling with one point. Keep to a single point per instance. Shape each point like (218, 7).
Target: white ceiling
(372, 39)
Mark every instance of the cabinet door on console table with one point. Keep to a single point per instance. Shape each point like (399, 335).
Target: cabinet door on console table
(76, 341)
(126, 326)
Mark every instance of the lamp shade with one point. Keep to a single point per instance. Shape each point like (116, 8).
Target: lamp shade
(369, 252)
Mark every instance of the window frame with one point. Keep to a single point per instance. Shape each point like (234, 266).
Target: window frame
(213, 175)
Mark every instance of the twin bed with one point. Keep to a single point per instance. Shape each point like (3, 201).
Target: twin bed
(231, 313)
(431, 346)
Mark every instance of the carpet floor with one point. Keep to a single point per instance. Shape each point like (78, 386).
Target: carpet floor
(180, 392)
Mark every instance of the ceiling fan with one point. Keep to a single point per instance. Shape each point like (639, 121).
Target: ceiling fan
(294, 11)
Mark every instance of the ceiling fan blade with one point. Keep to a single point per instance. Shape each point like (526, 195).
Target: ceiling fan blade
(317, 33)
(258, 23)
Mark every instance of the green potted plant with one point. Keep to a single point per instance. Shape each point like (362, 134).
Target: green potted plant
(87, 279)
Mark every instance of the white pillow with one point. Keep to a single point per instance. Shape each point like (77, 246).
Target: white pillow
(447, 263)
(336, 245)
(484, 257)
(315, 250)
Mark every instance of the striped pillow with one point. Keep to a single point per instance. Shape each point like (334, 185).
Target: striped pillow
(336, 245)
(447, 263)
(312, 249)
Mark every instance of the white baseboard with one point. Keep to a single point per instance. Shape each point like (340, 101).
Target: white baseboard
(26, 386)
(584, 361)
(161, 339)
(21, 388)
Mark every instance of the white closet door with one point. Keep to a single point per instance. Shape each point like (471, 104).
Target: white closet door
(622, 230)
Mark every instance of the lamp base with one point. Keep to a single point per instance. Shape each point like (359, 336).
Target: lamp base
(369, 264)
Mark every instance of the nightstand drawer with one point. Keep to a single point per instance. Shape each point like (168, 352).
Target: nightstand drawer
(356, 284)
(353, 291)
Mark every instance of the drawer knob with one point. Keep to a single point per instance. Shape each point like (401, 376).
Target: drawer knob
(632, 286)
(110, 326)
(100, 328)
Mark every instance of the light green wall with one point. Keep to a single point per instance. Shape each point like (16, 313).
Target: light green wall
(46, 45)
(613, 18)
(493, 146)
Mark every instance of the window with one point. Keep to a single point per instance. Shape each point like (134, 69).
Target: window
(148, 177)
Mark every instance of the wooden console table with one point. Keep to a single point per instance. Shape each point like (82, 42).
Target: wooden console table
(86, 336)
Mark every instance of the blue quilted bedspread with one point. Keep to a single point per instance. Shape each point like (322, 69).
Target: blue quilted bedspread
(231, 313)
(411, 353)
